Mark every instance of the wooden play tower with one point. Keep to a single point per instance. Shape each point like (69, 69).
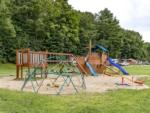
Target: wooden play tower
(98, 60)
(28, 59)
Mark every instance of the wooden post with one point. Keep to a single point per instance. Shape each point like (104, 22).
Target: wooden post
(22, 61)
(17, 72)
(28, 59)
(122, 80)
(21, 72)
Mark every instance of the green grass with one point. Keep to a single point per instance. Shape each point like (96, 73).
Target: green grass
(10, 69)
(138, 69)
(121, 101)
(7, 69)
(146, 80)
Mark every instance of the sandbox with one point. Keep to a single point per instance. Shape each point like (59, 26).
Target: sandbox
(97, 84)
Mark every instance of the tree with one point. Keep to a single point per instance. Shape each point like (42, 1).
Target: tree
(65, 37)
(109, 32)
(87, 31)
(55, 26)
(7, 32)
(146, 49)
(132, 45)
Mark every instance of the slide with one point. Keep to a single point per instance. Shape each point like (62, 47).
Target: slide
(118, 66)
(100, 47)
(92, 70)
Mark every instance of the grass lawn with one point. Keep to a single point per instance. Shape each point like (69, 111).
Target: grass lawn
(138, 69)
(121, 101)
(7, 69)
(10, 69)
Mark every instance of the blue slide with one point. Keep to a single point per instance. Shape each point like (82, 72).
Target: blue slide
(100, 47)
(117, 66)
(92, 70)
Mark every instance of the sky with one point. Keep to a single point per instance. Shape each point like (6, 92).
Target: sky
(132, 14)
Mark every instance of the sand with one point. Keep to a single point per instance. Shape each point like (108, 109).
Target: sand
(97, 84)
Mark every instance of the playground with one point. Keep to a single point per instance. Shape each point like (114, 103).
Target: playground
(63, 73)
(57, 57)
(94, 82)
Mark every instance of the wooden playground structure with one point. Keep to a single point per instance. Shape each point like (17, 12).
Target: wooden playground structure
(29, 59)
(97, 61)
(65, 65)
(46, 64)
